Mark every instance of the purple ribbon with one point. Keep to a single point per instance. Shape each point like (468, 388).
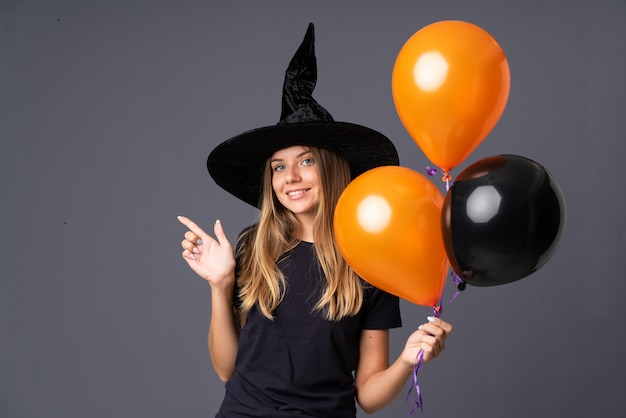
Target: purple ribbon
(417, 400)
(417, 403)
(447, 178)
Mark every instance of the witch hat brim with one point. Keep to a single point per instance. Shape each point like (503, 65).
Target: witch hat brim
(237, 164)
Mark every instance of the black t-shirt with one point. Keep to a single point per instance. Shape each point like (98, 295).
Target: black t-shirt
(301, 364)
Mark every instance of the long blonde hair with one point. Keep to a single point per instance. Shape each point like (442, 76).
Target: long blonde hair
(261, 247)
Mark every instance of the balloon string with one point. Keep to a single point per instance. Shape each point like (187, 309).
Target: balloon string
(459, 284)
(446, 178)
(417, 401)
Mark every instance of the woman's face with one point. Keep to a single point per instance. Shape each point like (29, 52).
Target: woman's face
(295, 181)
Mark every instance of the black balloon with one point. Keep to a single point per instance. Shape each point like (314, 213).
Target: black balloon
(502, 219)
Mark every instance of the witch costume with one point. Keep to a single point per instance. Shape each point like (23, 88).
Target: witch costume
(237, 164)
(300, 364)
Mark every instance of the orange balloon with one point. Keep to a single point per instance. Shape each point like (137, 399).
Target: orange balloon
(450, 85)
(387, 226)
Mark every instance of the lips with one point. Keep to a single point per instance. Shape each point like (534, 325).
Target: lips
(296, 193)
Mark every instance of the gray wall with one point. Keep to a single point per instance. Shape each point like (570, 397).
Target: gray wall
(108, 110)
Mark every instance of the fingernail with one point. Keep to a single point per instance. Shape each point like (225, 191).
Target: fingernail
(195, 250)
(420, 327)
(199, 242)
(431, 318)
(193, 257)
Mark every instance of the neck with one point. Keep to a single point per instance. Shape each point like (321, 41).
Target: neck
(305, 229)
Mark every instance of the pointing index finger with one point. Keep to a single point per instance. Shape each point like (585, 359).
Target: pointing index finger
(193, 227)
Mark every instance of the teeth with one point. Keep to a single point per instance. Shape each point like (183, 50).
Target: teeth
(295, 193)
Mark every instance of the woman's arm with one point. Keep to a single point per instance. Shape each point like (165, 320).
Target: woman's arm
(214, 261)
(377, 383)
(223, 338)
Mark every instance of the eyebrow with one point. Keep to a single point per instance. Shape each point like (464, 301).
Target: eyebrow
(297, 156)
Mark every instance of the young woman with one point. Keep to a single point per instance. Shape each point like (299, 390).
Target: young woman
(294, 331)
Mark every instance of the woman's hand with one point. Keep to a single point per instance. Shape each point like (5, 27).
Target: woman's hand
(212, 259)
(429, 338)
(378, 383)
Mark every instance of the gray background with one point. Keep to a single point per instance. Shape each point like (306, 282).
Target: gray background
(108, 110)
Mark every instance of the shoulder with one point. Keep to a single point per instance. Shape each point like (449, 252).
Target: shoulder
(245, 237)
(249, 231)
(381, 310)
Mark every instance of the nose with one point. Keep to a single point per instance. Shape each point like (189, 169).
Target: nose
(292, 174)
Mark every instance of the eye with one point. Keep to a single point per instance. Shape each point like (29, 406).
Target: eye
(307, 161)
(278, 167)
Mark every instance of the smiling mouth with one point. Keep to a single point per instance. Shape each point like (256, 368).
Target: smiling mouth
(296, 193)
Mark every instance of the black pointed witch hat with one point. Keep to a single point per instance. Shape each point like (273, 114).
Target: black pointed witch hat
(237, 164)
